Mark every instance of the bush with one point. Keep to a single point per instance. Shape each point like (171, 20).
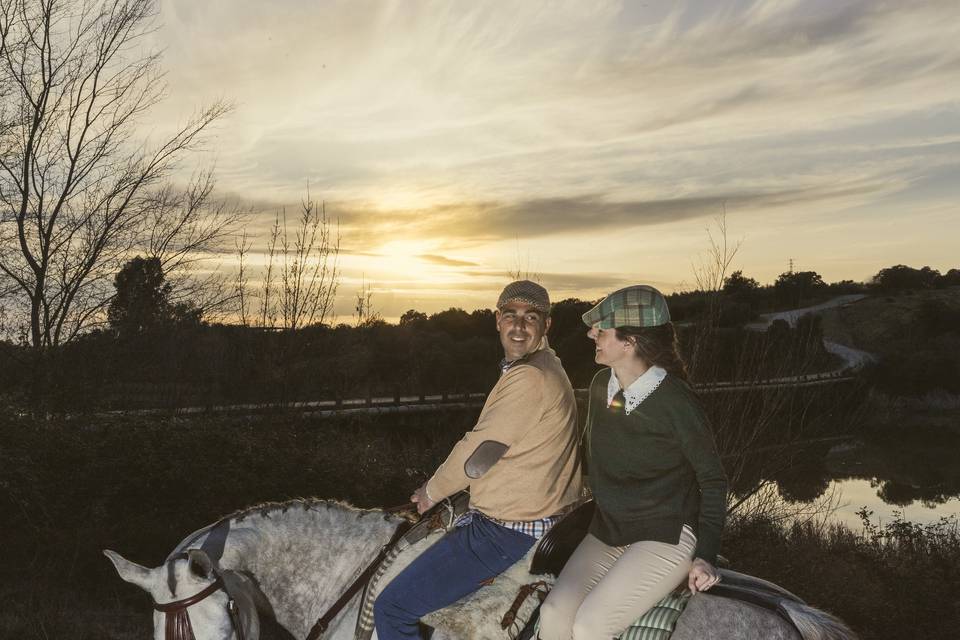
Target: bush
(903, 278)
(891, 581)
(932, 367)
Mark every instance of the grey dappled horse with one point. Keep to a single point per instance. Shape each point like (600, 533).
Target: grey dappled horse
(291, 561)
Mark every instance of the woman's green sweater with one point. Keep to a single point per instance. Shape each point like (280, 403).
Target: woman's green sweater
(655, 469)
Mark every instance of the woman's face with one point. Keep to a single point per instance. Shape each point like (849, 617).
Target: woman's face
(610, 349)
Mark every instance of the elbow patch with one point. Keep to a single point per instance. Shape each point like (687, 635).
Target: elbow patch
(484, 456)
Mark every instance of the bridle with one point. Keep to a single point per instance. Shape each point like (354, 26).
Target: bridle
(177, 624)
(177, 621)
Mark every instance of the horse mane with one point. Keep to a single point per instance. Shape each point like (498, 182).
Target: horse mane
(271, 508)
(268, 508)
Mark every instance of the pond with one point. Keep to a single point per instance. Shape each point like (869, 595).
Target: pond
(915, 474)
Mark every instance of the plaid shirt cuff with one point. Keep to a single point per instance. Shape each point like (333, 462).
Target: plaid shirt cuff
(533, 528)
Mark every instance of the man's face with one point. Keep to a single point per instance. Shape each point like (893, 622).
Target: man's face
(521, 327)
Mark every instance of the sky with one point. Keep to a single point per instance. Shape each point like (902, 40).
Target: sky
(591, 144)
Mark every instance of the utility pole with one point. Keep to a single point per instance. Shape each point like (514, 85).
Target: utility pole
(791, 266)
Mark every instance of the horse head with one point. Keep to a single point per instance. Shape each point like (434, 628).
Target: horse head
(194, 599)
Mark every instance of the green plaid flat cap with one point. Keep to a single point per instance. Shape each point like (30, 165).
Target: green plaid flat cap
(526, 292)
(636, 306)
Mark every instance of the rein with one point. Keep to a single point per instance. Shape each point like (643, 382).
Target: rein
(320, 626)
(177, 621)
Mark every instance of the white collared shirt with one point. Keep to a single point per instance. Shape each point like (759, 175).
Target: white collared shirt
(639, 390)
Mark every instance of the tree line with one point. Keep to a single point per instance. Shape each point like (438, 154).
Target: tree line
(158, 352)
(743, 298)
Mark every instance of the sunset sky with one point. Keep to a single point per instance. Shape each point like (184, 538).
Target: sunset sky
(589, 142)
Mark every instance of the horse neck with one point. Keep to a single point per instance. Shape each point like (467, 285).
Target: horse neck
(303, 558)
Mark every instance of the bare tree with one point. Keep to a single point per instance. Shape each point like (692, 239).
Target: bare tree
(302, 273)
(760, 429)
(242, 281)
(268, 305)
(310, 271)
(182, 227)
(521, 269)
(709, 275)
(712, 269)
(77, 190)
(363, 311)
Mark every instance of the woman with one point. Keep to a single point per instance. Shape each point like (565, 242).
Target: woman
(656, 478)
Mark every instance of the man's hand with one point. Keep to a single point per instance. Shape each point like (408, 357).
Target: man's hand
(703, 575)
(421, 499)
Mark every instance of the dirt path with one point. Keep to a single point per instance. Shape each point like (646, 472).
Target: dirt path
(853, 359)
(793, 315)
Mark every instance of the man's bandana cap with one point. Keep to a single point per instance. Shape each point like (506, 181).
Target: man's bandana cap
(528, 293)
(636, 306)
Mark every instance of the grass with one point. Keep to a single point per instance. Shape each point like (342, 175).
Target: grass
(896, 580)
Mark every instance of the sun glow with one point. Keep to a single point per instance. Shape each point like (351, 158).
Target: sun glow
(404, 260)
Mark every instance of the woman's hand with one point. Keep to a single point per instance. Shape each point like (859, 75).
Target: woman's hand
(703, 575)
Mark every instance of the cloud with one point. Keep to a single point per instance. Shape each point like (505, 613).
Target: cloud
(579, 282)
(466, 125)
(449, 262)
(468, 223)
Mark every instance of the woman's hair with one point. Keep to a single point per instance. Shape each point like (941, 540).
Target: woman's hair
(657, 346)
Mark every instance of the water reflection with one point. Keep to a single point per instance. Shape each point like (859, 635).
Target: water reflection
(914, 472)
(856, 493)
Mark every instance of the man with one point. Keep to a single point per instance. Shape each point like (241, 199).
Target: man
(521, 463)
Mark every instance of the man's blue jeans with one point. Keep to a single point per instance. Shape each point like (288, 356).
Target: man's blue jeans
(449, 570)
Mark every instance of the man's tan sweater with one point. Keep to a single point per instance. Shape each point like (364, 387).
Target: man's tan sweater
(533, 412)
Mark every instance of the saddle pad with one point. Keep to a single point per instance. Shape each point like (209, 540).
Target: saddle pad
(658, 622)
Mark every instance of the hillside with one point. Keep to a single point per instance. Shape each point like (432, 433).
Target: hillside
(915, 336)
(881, 323)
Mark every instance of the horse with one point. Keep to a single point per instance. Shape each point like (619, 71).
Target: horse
(291, 561)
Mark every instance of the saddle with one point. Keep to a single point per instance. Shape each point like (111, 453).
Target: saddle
(558, 544)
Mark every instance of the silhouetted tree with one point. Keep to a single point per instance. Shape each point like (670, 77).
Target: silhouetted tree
(454, 322)
(950, 279)
(793, 287)
(363, 312)
(75, 185)
(143, 302)
(568, 337)
(804, 482)
(739, 285)
(142, 299)
(901, 277)
(482, 322)
(845, 287)
(412, 317)
(302, 273)
(740, 300)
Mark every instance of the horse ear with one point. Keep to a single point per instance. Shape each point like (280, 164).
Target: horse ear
(200, 564)
(131, 571)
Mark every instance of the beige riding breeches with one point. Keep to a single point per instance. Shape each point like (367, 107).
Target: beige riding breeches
(602, 589)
